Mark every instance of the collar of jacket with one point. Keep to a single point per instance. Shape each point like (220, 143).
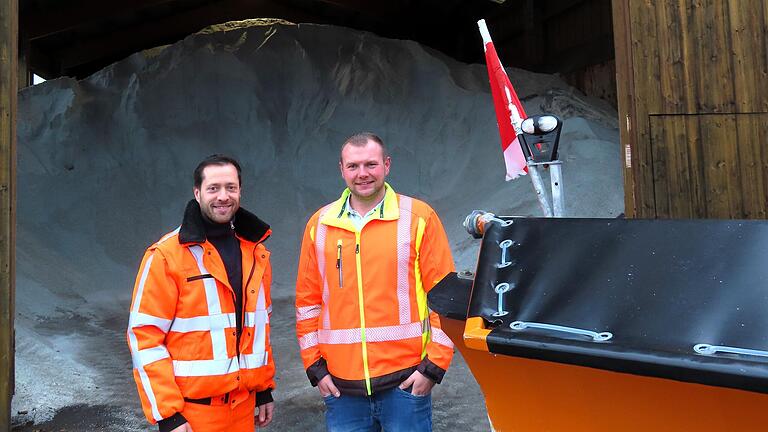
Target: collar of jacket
(336, 213)
(247, 225)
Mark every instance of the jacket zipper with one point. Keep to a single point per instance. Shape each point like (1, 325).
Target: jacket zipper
(338, 264)
(242, 312)
(364, 345)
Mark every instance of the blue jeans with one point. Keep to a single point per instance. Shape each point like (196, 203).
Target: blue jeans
(392, 410)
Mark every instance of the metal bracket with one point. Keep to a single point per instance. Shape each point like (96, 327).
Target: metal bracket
(596, 337)
(707, 349)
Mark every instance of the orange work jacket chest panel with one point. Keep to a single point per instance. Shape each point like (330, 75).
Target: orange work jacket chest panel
(361, 292)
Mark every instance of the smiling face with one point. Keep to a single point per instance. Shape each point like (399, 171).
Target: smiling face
(219, 193)
(364, 169)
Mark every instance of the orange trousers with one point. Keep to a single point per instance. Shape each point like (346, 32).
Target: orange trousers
(221, 418)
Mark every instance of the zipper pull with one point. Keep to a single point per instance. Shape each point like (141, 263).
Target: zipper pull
(357, 248)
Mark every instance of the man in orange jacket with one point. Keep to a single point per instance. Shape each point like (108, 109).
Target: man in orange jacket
(368, 339)
(199, 321)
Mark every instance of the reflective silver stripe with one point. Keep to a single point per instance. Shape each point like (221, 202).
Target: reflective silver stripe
(218, 338)
(204, 323)
(439, 337)
(255, 360)
(150, 355)
(169, 235)
(404, 259)
(134, 344)
(307, 312)
(320, 235)
(142, 281)
(372, 334)
(260, 328)
(187, 368)
(308, 340)
(269, 310)
(139, 319)
(258, 320)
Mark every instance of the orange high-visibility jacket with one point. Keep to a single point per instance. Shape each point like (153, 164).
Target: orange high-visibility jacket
(361, 306)
(182, 329)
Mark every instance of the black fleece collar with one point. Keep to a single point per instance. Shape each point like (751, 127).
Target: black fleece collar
(247, 225)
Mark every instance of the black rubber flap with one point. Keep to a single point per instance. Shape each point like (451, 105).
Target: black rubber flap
(659, 286)
(450, 297)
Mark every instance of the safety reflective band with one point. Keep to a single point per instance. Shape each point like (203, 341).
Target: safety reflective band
(309, 340)
(150, 355)
(439, 337)
(218, 336)
(421, 295)
(321, 233)
(361, 303)
(146, 385)
(307, 312)
(372, 334)
(139, 319)
(255, 360)
(197, 368)
(169, 235)
(204, 323)
(258, 320)
(404, 259)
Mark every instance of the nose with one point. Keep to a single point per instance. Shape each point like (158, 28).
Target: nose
(222, 195)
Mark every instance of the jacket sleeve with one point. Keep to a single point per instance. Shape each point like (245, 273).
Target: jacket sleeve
(309, 305)
(435, 261)
(266, 281)
(152, 310)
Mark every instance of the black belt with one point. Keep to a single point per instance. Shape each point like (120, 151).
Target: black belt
(206, 401)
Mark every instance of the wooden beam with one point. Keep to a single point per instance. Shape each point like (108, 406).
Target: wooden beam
(625, 89)
(39, 23)
(9, 31)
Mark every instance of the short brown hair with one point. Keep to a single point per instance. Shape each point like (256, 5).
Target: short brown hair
(360, 139)
(214, 159)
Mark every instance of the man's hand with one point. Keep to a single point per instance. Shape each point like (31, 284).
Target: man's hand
(421, 384)
(183, 428)
(327, 387)
(265, 414)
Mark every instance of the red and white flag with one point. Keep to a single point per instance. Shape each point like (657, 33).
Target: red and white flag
(509, 110)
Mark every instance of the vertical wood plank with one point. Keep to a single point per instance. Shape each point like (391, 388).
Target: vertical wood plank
(645, 64)
(720, 166)
(8, 91)
(626, 102)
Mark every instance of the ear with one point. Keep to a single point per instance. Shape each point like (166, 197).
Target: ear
(341, 168)
(196, 192)
(387, 163)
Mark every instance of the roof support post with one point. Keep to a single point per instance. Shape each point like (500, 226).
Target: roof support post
(8, 92)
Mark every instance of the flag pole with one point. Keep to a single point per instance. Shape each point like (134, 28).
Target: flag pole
(516, 121)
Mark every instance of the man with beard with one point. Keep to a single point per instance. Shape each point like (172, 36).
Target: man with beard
(199, 320)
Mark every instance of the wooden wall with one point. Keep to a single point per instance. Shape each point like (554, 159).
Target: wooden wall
(692, 78)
